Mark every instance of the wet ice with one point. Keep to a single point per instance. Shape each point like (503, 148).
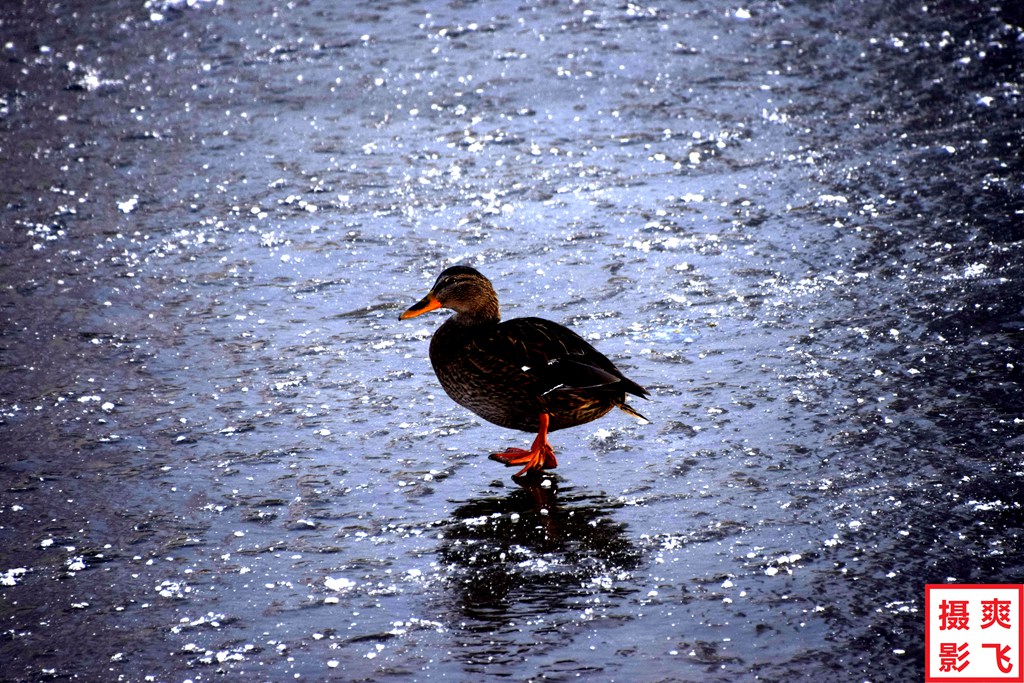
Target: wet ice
(790, 232)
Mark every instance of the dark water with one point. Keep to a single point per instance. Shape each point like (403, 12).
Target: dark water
(800, 225)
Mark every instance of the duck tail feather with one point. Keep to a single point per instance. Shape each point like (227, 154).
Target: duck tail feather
(626, 408)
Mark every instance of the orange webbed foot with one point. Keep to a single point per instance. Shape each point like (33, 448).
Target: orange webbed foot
(540, 456)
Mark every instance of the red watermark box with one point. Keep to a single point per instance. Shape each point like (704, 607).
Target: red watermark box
(973, 633)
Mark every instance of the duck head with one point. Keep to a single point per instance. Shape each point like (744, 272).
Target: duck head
(464, 290)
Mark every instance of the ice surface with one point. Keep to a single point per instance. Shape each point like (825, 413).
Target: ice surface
(798, 226)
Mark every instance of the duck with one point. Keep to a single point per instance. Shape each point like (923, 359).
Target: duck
(528, 374)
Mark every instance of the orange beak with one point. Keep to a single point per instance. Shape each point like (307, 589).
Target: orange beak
(427, 303)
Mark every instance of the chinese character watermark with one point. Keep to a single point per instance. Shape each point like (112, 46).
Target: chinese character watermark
(974, 632)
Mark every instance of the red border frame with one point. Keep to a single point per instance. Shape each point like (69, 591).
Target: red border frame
(1020, 633)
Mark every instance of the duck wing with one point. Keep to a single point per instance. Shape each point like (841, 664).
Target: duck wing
(557, 359)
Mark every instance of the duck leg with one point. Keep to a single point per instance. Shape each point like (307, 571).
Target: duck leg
(540, 456)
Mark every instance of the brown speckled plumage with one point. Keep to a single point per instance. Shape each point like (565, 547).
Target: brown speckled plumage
(514, 372)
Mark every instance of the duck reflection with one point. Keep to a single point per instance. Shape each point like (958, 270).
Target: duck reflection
(538, 548)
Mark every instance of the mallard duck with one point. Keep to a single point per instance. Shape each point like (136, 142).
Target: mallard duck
(529, 374)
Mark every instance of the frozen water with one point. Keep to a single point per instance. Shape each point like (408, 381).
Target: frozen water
(800, 227)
